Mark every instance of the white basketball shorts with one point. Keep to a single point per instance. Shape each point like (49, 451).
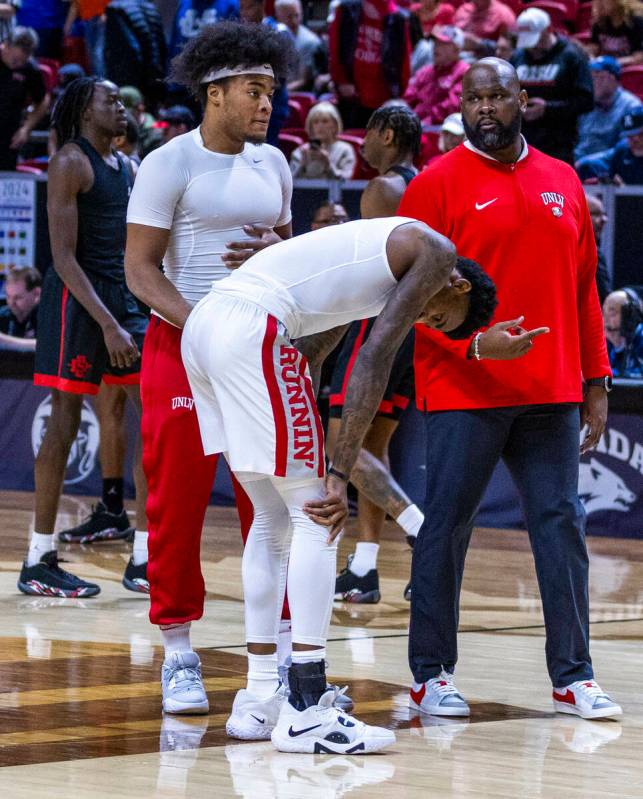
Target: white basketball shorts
(252, 390)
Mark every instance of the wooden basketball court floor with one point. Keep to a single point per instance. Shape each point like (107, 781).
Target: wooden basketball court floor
(79, 691)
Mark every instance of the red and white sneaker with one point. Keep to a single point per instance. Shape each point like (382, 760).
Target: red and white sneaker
(438, 696)
(586, 699)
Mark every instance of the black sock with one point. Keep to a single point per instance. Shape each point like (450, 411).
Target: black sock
(307, 683)
(113, 494)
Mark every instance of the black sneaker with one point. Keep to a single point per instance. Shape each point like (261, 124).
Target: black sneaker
(100, 525)
(407, 592)
(135, 578)
(46, 578)
(351, 588)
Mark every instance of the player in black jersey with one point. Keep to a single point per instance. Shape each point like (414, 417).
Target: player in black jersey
(391, 144)
(90, 327)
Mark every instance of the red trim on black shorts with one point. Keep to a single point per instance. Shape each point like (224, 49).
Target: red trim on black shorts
(338, 399)
(278, 411)
(63, 305)
(64, 384)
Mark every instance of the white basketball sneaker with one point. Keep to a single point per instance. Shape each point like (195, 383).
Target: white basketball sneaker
(325, 729)
(438, 696)
(182, 684)
(254, 719)
(586, 699)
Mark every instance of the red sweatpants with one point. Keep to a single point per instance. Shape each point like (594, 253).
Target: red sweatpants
(179, 481)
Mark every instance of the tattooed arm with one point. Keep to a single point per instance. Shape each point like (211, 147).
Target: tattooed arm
(317, 348)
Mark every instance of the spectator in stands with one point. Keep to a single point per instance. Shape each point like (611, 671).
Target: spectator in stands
(617, 30)
(192, 15)
(127, 143)
(556, 76)
(600, 129)
(599, 218)
(21, 84)
(329, 213)
(623, 317)
(370, 52)
(307, 44)
(483, 22)
(92, 14)
(178, 120)
(323, 155)
(8, 10)
(432, 12)
(19, 317)
(47, 18)
(624, 163)
(253, 11)
(434, 91)
(506, 45)
(451, 133)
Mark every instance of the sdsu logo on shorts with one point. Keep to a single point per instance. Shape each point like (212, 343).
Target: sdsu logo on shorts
(82, 456)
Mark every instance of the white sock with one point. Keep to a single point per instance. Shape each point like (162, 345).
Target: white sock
(176, 639)
(263, 678)
(365, 558)
(139, 550)
(410, 520)
(38, 545)
(284, 642)
(308, 655)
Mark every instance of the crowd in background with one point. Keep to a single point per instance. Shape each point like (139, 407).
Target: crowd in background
(581, 64)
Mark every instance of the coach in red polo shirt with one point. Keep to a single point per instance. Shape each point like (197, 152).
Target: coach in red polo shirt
(523, 216)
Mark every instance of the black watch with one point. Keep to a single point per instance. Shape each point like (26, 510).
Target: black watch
(604, 382)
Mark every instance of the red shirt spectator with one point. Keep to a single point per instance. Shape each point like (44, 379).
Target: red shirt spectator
(432, 12)
(486, 19)
(434, 91)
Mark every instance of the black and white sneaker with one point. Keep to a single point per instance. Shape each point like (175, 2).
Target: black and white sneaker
(46, 578)
(351, 588)
(135, 577)
(100, 525)
(324, 729)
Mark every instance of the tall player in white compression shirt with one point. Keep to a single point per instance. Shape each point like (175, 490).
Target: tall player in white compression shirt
(194, 196)
(245, 347)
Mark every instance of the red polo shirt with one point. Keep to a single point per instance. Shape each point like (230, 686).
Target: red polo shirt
(528, 226)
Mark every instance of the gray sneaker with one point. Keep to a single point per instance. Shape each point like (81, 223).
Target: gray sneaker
(182, 684)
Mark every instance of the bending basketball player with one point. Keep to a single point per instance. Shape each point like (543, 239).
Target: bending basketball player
(245, 348)
(393, 138)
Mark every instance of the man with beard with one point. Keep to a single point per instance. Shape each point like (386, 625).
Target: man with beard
(523, 215)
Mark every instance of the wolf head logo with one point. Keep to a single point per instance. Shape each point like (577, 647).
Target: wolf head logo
(602, 489)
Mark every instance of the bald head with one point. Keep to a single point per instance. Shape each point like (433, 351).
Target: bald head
(492, 104)
(495, 69)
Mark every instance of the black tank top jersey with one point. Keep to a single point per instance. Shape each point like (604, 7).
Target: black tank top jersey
(407, 173)
(102, 214)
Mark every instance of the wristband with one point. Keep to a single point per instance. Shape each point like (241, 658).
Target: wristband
(336, 473)
(476, 347)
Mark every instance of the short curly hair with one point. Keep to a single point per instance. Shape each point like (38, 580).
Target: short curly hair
(229, 44)
(482, 299)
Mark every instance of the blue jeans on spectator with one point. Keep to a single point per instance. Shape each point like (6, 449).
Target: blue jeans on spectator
(95, 43)
(540, 446)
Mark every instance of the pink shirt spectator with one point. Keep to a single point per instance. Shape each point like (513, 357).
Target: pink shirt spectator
(434, 92)
(486, 20)
(442, 15)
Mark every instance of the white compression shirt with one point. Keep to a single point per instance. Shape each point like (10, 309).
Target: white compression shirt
(204, 198)
(322, 279)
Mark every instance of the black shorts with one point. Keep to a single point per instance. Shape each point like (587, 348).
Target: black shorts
(401, 383)
(70, 348)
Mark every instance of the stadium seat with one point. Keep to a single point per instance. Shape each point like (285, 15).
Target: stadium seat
(53, 65)
(557, 12)
(305, 99)
(288, 143)
(428, 148)
(296, 117)
(300, 132)
(632, 80)
(584, 17)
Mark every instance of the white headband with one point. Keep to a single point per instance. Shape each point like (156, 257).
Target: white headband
(231, 72)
